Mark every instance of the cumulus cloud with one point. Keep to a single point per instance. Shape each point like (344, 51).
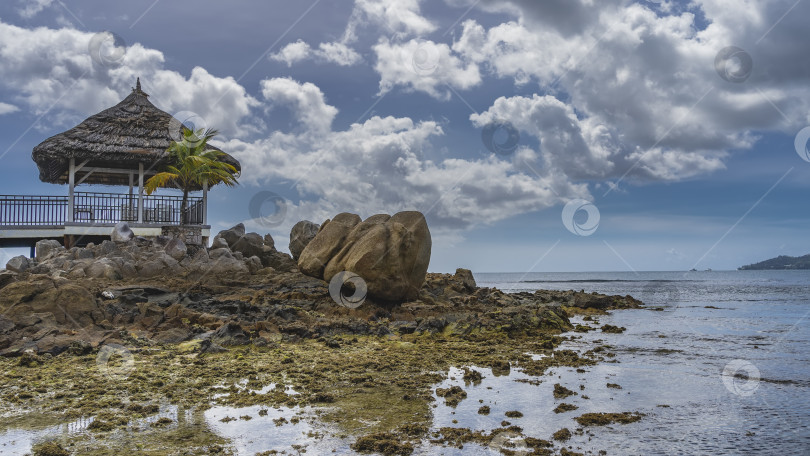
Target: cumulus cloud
(401, 18)
(423, 66)
(6, 108)
(398, 16)
(568, 144)
(33, 7)
(642, 82)
(306, 101)
(52, 70)
(379, 166)
(293, 53)
(334, 52)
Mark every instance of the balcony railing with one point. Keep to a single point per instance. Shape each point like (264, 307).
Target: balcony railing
(97, 208)
(21, 210)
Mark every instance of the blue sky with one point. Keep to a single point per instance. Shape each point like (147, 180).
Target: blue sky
(639, 109)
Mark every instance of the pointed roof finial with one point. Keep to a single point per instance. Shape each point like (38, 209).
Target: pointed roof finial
(137, 88)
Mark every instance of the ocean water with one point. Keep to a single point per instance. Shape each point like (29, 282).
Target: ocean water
(727, 351)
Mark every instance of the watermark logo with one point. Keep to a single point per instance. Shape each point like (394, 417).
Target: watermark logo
(802, 144)
(268, 208)
(425, 58)
(500, 138)
(741, 377)
(577, 226)
(115, 361)
(660, 296)
(733, 64)
(508, 442)
(188, 120)
(107, 49)
(348, 289)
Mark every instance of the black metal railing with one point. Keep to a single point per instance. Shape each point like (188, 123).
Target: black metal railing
(92, 208)
(19, 210)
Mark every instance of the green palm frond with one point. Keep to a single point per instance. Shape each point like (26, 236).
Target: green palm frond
(193, 164)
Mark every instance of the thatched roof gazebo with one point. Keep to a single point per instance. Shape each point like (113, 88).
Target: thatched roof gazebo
(121, 138)
(120, 146)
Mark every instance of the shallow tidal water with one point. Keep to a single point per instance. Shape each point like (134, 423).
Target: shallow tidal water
(735, 374)
(721, 366)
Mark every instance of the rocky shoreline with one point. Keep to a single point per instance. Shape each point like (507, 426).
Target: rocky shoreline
(117, 330)
(83, 298)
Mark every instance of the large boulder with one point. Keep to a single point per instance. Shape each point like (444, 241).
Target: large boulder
(302, 233)
(329, 240)
(18, 264)
(45, 247)
(391, 254)
(122, 232)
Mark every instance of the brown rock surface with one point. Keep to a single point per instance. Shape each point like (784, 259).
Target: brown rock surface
(390, 253)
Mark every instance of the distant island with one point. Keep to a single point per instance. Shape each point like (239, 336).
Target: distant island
(781, 262)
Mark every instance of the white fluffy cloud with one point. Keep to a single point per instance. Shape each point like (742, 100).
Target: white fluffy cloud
(643, 85)
(379, 166)
(400, 18)
(306, 101)
(33, 7)
(6, 108)
(394, 16)
(423, 66)
(51, 70)
(333, 52)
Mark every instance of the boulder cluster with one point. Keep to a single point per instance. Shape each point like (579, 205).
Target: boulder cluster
(390, 253)
(233, 252)
(143, 292)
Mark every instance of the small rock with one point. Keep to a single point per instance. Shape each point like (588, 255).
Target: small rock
(45, 247)
(18, 263)
(253, 264)
(6, 277)
(176, 249)
(466, 278)
(219, 243)
(232, 234)
(103, 268)
(300, 235)
(122, 232)
(268, 241)
(161, 240)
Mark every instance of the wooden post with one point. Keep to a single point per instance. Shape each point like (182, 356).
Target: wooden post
(205, 203)
(140, 192)
(71, 184)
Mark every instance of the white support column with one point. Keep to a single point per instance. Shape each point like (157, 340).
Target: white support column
(205, 203)
(130, 206)
(140, 192)
(71, 185)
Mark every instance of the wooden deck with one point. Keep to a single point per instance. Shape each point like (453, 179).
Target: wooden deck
(25, 219)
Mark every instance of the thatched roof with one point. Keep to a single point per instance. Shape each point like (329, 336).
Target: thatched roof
(133, 131)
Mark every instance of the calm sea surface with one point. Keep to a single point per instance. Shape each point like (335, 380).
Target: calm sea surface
(729, 353)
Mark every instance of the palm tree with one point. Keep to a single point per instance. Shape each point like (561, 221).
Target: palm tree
(192, 166)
